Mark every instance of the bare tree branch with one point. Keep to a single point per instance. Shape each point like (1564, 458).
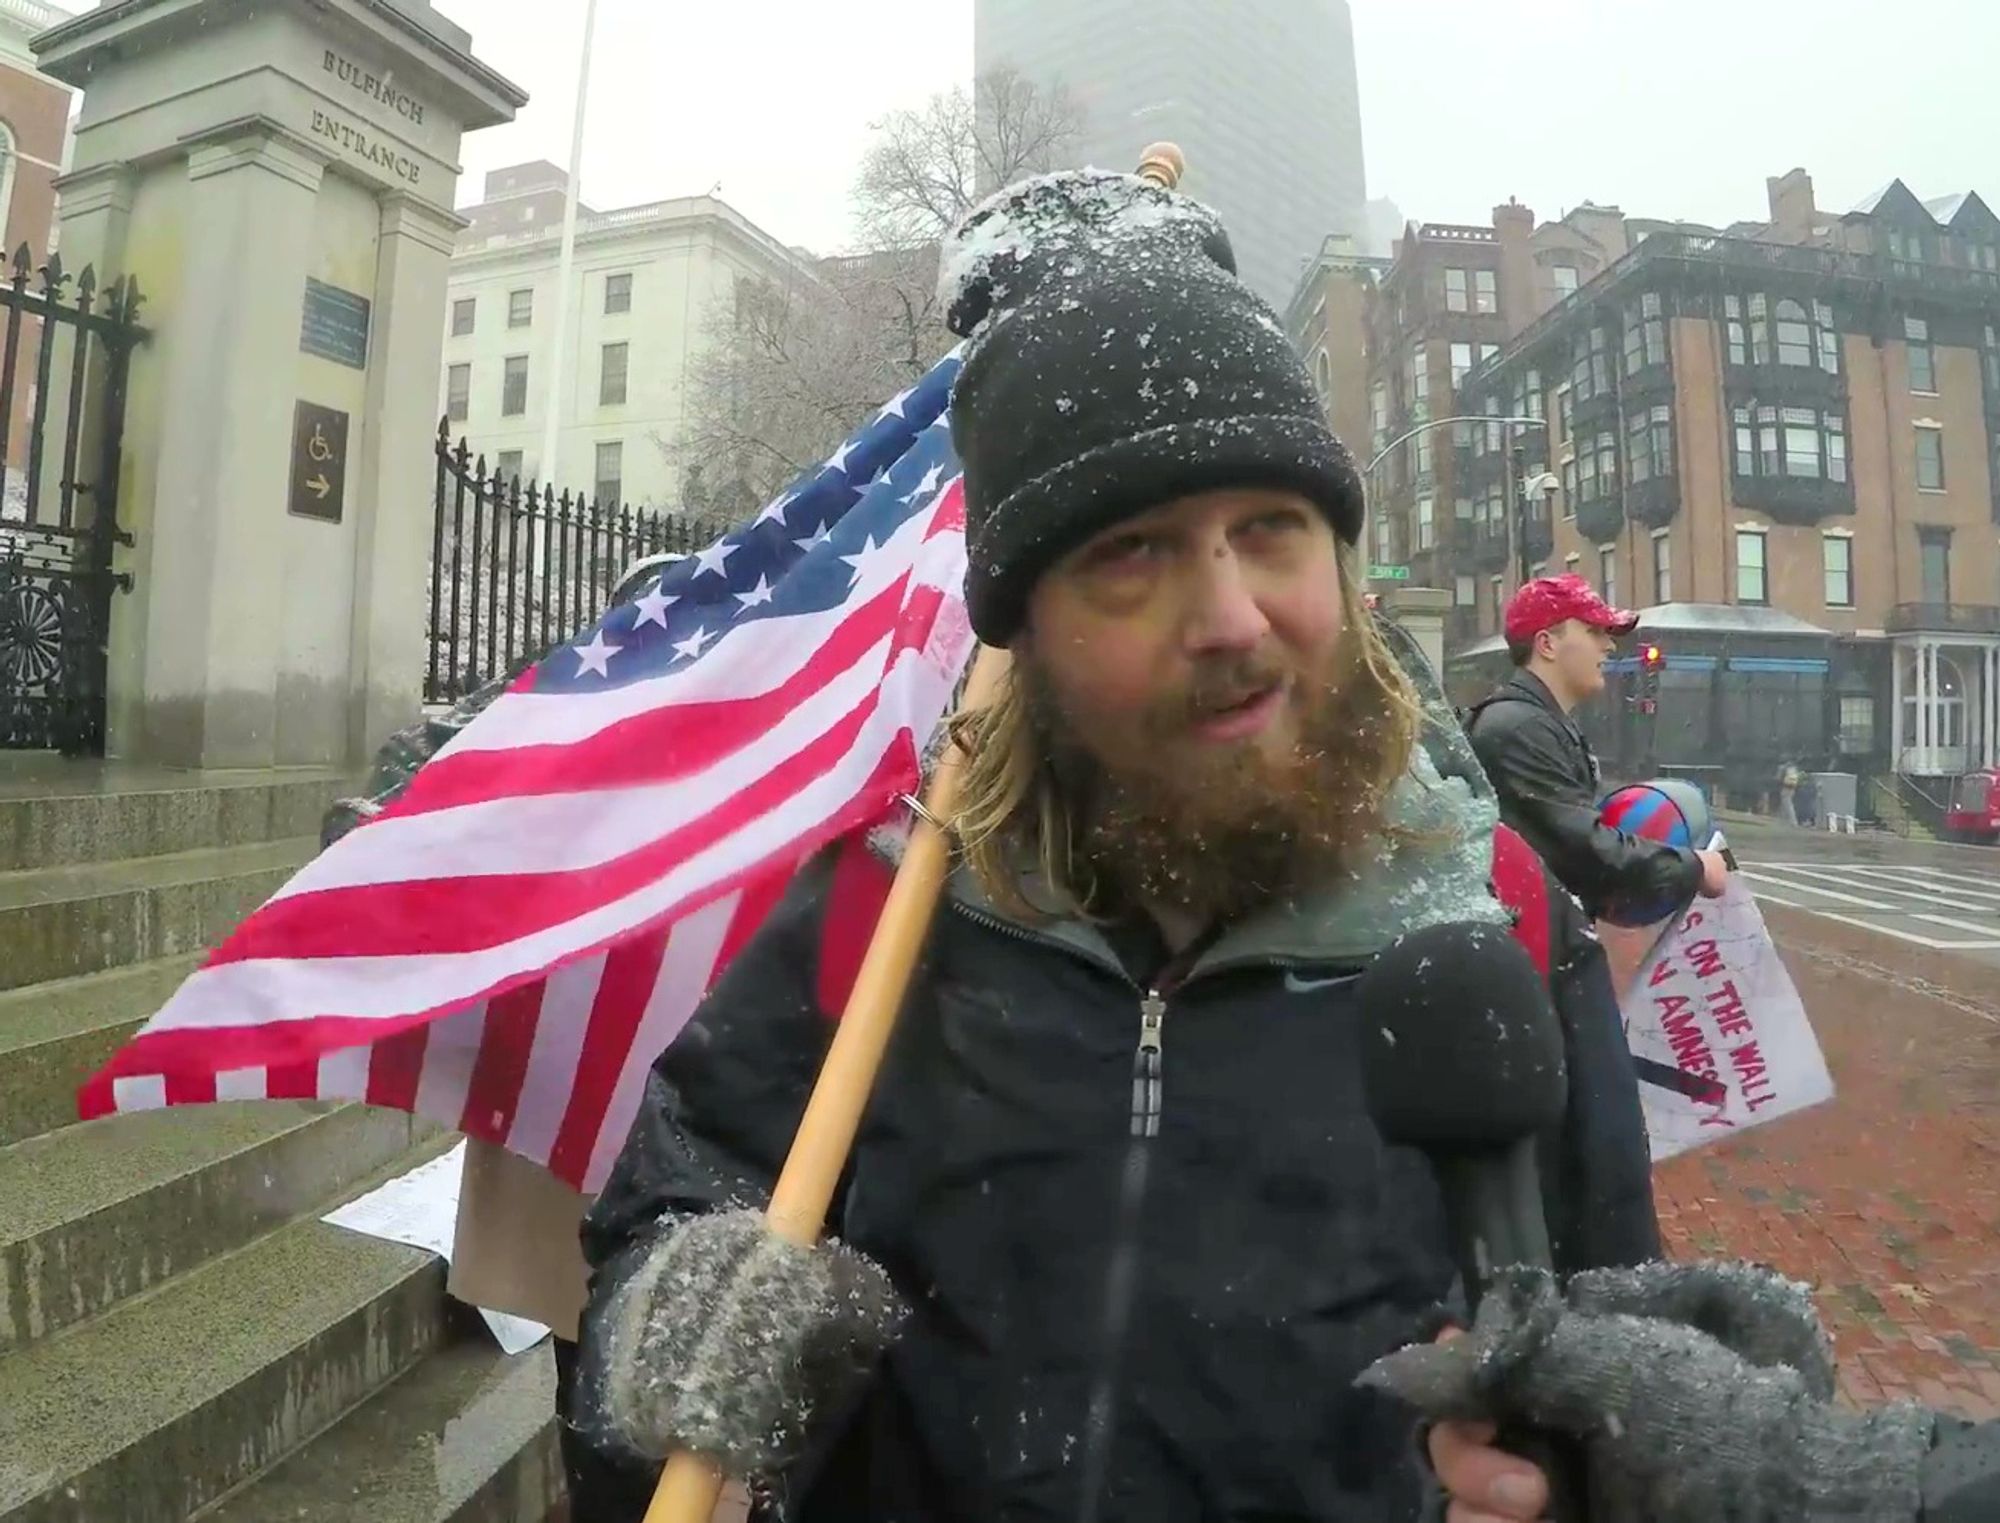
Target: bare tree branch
(784, 371)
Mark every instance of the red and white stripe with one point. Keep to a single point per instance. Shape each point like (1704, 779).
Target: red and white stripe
(507, 948)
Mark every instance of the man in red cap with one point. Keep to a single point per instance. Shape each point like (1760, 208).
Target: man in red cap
(1559, 632)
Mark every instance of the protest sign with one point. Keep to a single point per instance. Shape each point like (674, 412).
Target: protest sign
(1713, 1005)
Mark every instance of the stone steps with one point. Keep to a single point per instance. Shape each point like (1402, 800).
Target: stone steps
(54, 1035)
(167, 1402)
(468, 1436)
(181, 1336)
(59, 922)
(48, 820)
(98, 1212)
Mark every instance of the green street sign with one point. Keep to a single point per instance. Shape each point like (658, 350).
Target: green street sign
(1388, 573)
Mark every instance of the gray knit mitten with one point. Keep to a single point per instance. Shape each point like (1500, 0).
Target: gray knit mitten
(1701, 1392)
(731, 1342)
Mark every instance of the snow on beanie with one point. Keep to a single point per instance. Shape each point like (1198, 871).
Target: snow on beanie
(1115, 363)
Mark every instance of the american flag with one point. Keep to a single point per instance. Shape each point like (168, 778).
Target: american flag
(508, 946)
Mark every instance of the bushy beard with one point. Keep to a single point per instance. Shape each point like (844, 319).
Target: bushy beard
(1218, 830)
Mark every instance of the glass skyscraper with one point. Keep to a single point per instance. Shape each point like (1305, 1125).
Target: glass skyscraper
(1260, 94)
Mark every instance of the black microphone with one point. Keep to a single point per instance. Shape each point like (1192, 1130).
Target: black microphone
(1462, 1059)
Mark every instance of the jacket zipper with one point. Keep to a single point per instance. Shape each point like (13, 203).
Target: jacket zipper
(1121, 1280)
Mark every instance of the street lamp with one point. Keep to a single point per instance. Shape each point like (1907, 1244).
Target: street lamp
(1507, 454)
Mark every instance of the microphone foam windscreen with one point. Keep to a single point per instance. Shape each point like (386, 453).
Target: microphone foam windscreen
(1460, 1044)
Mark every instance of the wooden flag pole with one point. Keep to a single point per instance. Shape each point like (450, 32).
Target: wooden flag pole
(691, 1485)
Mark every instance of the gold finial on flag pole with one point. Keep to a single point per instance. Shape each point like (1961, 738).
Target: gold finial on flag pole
(1163, 164)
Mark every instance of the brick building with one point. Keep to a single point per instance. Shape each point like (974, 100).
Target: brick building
(1778, 440)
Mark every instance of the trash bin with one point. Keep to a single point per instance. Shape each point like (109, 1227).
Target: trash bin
(1839, 793)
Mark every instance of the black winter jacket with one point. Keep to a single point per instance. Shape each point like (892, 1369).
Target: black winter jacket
(1278, 1245)
(1547, 779)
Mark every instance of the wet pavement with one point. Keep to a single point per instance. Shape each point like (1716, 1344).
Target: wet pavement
(1886, 1199)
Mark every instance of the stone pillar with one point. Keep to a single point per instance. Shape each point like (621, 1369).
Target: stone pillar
(397, 473)
(1896, 736)
(1421, 611)
(278, 177)
(1922, 739)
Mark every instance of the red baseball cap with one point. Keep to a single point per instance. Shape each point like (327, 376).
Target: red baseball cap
(1548, 600)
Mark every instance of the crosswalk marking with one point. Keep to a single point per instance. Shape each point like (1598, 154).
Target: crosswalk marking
(1903, 900)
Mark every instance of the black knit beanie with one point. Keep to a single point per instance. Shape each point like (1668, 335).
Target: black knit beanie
(1114, 374)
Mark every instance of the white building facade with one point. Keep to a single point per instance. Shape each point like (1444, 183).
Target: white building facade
(646, 283)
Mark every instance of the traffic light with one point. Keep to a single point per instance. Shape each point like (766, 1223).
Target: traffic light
(1651, 661)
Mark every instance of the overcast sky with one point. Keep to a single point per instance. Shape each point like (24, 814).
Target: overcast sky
(1672, 108)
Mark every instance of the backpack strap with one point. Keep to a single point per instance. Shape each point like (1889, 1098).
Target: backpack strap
(1522, 885)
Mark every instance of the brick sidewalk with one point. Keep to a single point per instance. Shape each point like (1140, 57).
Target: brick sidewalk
(1887, 1199)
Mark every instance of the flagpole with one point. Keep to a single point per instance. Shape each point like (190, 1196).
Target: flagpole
(691, 1485)
(566, 260)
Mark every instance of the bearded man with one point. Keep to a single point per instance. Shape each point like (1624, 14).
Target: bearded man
(1118, 1234)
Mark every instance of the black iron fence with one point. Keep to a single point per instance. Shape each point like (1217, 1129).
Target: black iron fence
(63, 364)
(518, 567)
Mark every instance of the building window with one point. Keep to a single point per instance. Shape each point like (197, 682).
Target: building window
(610, 471)
(1565, 410)
(617, 294)
(1486, 291)
(1649, 444)
(1499, 602)
(1590, 370)
(1923, 362)
(1488, 353)
(1794, 334)
(1420, 377)
(520, 308)
(1461, 362)
(1935, 544)
(1422, 446)
(463, 312)
(1645, 335)
(1462, 510)
(1426, 527)
(1989, 358)
(1569, 475)
(1930, 458)
(507, 464)
(1465, 592)
(1793, 441)
(1663, 566)
(1565, 279)
(514, 387)
(611, 375)
(1829, 338)
(1750, 584)
(1597, 467)
(1607, 573)
(458, 392)
(1378, 411)
(1837, 557)
(1857, 723)
(1749, 339)
(1323, 375)
(1457, 294)
(1528, 400)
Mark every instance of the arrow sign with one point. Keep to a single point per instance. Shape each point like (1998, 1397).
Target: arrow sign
(319, 462)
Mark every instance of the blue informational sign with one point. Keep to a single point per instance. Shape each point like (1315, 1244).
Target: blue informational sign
(336, 325)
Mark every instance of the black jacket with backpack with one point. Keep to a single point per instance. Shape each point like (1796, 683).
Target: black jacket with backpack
(1546, 778)
(1273, 1246)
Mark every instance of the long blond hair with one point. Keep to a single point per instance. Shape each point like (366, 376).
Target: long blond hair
(1012, 816)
